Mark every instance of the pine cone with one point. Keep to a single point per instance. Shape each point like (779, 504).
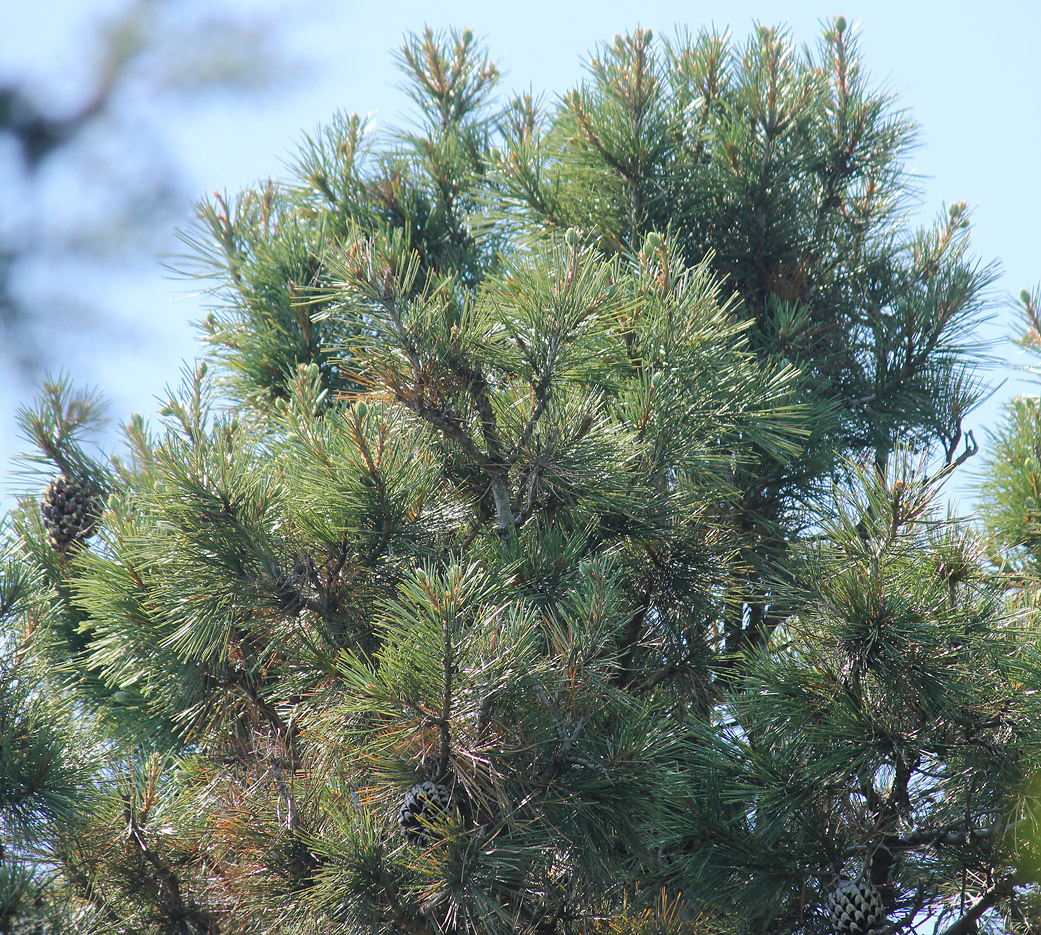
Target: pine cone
(425, 804)
(70, 507)
(856, 908)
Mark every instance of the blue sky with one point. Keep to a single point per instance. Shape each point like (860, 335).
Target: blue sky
(964, 71)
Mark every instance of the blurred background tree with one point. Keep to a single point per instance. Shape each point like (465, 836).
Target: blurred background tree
(92, 180)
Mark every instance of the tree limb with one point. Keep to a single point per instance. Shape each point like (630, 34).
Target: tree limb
(966, 925)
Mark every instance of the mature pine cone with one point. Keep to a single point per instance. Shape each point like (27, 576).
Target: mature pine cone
(70, 507)
(425, 803)
(856, 908)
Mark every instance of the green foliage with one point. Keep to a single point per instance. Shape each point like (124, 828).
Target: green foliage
(48, 758)
(899, 697)
(1012, 483)
(548, 542)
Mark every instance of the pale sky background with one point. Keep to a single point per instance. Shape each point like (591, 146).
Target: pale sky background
(965, 71)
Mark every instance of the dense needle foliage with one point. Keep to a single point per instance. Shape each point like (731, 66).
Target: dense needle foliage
(549, 540)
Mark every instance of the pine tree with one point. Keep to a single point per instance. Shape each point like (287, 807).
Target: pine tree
(548, 542)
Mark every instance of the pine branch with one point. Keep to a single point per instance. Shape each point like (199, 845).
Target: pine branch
(949, 836)
(444, 724)
(574, 101)
(566, 738)
(971, 448)
(897, 804)
(371, 465)
(542, 392)
(496, 466)
(169, 884)
(966, 925)
(449, 426)
(388, 299)
(634, 626)
(397, 912)
(532, 484)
